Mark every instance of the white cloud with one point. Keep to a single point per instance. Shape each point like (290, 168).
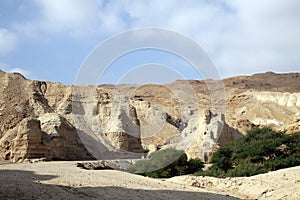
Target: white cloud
(11, 69)
(265, 37)
(74, 17)
(21, 71)
(240, 36)
(60, 15)
(8, 41)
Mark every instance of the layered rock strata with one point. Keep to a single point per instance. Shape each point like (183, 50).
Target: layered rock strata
(52, 121)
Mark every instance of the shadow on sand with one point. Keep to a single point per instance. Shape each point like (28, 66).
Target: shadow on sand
(17, 184)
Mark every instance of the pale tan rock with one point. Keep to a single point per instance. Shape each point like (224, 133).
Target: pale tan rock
(204, 134)
(132, 118)
(28, 141)
(24, 141)
(281, 184)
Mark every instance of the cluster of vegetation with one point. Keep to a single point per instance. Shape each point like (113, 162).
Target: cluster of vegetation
(165, 164)
(260, 151)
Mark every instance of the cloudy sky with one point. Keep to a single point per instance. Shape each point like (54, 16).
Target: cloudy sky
(50, 39)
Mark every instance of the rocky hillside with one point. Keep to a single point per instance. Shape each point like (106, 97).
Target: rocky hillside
(53, 121)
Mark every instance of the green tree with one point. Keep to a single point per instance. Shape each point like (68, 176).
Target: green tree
(166, 163)
(260, 151)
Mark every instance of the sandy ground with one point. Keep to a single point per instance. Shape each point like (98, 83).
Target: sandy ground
(281, 184)
(63, 180)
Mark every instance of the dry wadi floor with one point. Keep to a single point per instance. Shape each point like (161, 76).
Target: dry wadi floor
(63, 180)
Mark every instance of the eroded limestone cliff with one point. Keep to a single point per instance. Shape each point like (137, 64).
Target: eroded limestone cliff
(61, 122)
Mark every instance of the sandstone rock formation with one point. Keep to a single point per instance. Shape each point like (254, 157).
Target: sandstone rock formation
(204, 134)
(274, 109)
(55, 121)
(28, 140)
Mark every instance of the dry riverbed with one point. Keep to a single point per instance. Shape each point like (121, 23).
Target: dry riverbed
(63, 180)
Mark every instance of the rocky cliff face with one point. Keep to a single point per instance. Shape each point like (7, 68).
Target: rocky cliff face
(54, 121)
(274, 109)
(31, 129)
(205, 133)
(28, 140)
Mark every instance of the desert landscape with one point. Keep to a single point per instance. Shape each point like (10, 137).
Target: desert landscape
(38, 126)
(63, 180)
(107, 99)
(64, 122)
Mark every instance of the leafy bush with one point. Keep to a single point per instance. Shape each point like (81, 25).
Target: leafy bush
(260, 151)
(166, 163)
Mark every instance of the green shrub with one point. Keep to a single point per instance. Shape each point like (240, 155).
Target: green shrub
(260, 151)
(213, 171)
(222, 158)
(246, 168)
(166, 163)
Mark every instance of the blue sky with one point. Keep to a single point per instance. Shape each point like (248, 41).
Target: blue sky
(50, 39)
